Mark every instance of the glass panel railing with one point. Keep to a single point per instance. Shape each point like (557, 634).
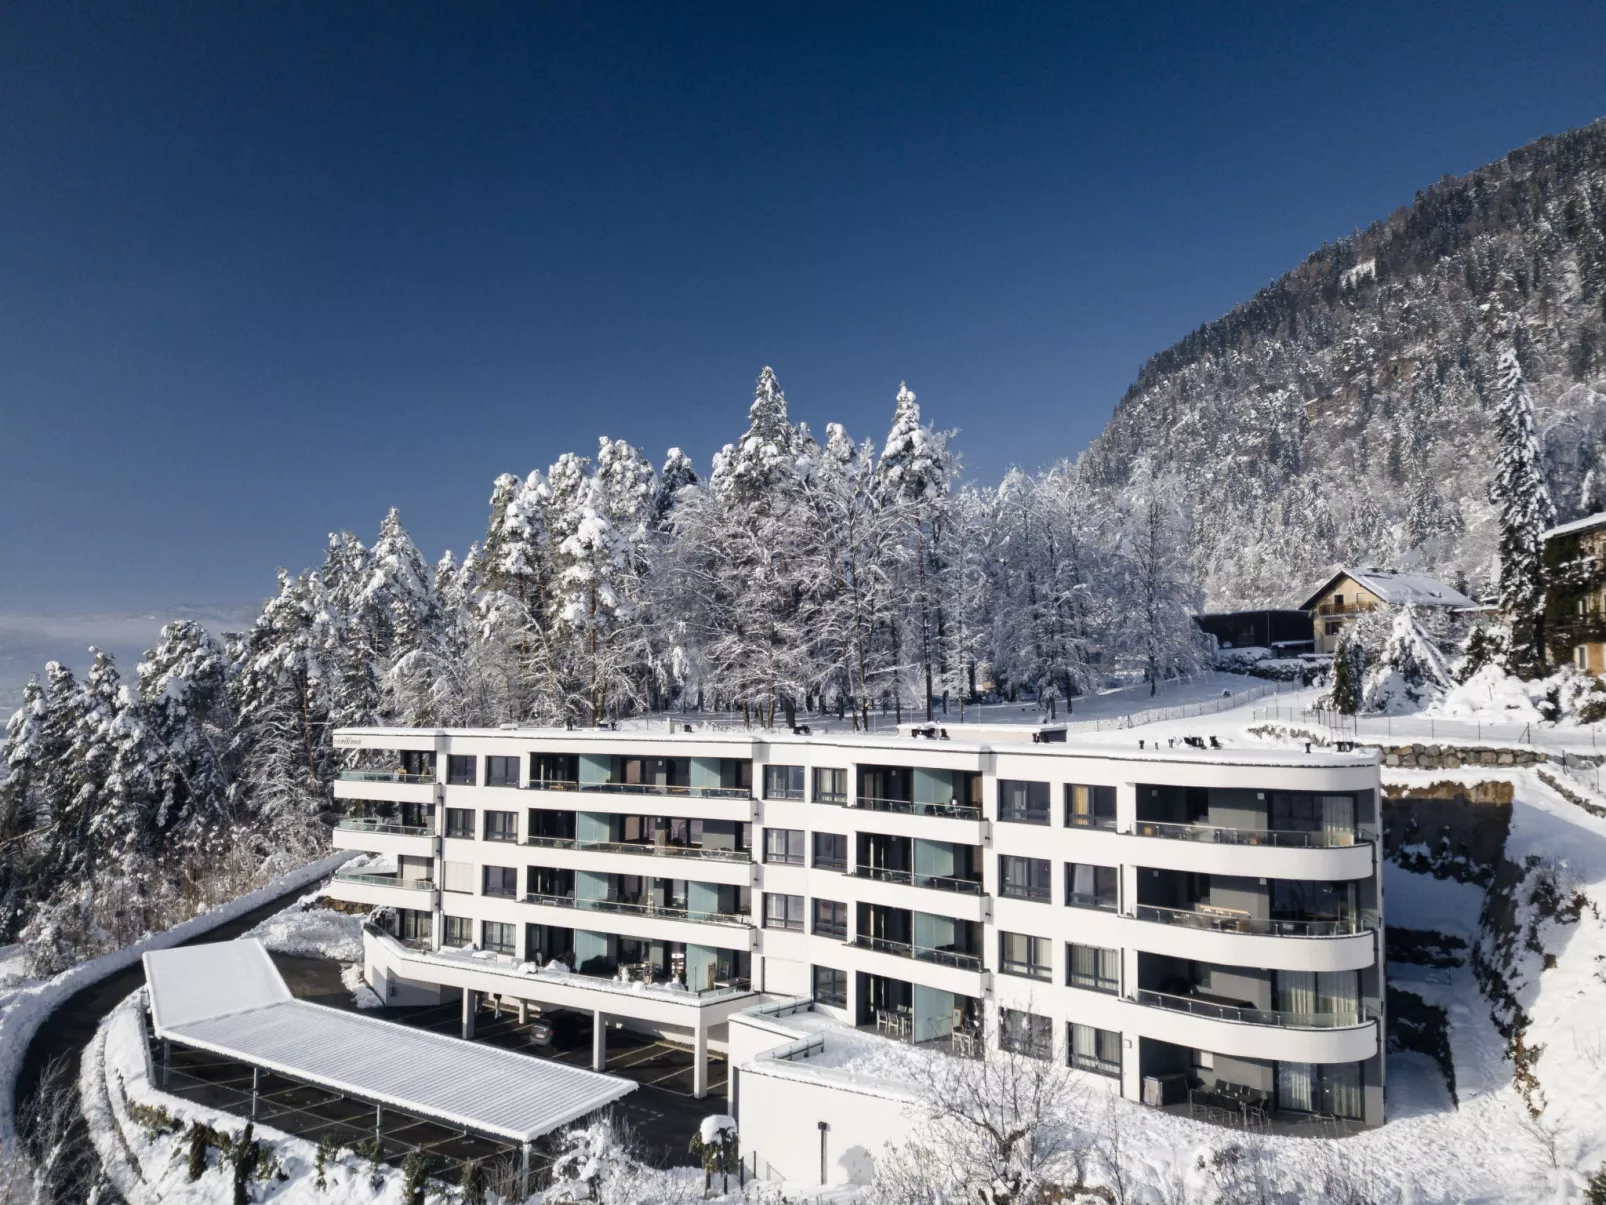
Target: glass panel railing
(1026, 891)
(1085, 820)
(385, 776)
(905, 949)
(552, 842)
(1087, 899)
(784, 794)
(668, 851)
(370, 824)
(637, 908)
(1227, 920)
(908, 878)
(551, 784)
(655, 788)
(384, 880)
(1343, 1018)
(951, 811)
(1218, 835)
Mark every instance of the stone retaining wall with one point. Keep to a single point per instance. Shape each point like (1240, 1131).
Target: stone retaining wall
(1453, 757)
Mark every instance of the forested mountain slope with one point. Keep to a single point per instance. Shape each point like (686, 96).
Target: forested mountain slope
(1345, 412)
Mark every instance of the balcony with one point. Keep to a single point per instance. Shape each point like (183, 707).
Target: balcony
(634, 908)
(1344, 608)
(904, 949)
(368, 824)
(1229, 920)
(1197, 1006)
(384, 880)
(909, 878)
(704, 853)
(1212, 834)
(950, 811)
(385, 776)
(654, 788)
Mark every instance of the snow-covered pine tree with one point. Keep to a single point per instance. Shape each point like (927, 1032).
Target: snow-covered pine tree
(1159, 589)
(1520, 492)
(676, 475)
(916, 472)
(1349, 673)
(1409, 671)
(188, 717)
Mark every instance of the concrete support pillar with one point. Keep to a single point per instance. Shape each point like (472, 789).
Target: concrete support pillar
(471, 1004)
(167, 1062)
(599, 1041)
(256, 1079)
(524, 1170)
(524, 1012)
(699, 1073)
(379, 1128)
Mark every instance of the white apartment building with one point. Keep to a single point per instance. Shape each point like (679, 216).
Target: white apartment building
(1177, 918)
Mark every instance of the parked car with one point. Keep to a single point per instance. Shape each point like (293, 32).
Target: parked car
(560, 1029)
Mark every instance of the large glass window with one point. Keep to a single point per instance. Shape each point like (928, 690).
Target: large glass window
(783, 782)
(1088, 886)
(830, 918)
(1025, 878)
(783, 911)
(554, 771)
(1026, 1033)
(460, 822)
(1022, 954)
(461, 771)
(1305, 812)
(784, 846)
(1093, 968)
(830, 786)
(414, 925)
(501, 771)
(1331, 1088)
(1095, 1050)
(502, 881)
(830, 851)
(1089, 807)
(501, 826)
(458, 931)
(831, 987)
(501, 938)
(1023, 802)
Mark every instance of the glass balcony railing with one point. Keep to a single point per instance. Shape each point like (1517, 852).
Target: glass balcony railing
(1343, 1018)
(636, 908)
(385, 776)
(1227, 920)
(951, 811)
(905, 949)
(384, 880)
(1089, 899)
(707, 853)
(657, 788)
(909, 878)
(370, 824)
(1219, 835)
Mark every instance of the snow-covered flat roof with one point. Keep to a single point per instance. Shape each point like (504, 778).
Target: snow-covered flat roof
(255, 1020)
(1577, 525)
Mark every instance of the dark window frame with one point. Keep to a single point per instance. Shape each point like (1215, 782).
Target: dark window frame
(462, 770)
(833, 996)
(504, 876)
(785, 919)
(1030, 968)
(1021, 801)
(1039, 886)
(506, 830)
(456, 826)
(794, 851)
(835, 921)
(497, 769)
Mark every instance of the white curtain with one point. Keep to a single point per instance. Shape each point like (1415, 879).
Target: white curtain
(1338, 819)
(1339, 993)
(1082, 879)
(1341, 1089)
(1296, 1087)
(1296, 992)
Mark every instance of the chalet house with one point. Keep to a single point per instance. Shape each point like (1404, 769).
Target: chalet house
(1350, 592)
(1575, 593)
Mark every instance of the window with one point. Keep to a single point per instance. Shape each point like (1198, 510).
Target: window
(1025, 878)
(502, 881)
(1026, 1033)
(1093, 968)
(460, 771)
(1338, 600)
(413, 924)
(554, 771)
(830, 918)
(831, 987)
(1020, 954)
(1023, 802)
(460, 822)
(501, 826)
(1332, 1088)
(1095, 1050)
(459, 931)
(501, 771)
(458, 876)
(783, 911)
(1091, 886)
(1332, 627)
(830, 851)
(1089, 807)
(830, 786)
(784, 846)
(418, 764)
(501, 938)
(783, 782)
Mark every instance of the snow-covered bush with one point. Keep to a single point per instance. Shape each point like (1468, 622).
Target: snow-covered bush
(598, 1162)
(1409, 672)
(1238, 661)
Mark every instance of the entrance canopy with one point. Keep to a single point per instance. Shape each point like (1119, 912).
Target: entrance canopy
(229, 999)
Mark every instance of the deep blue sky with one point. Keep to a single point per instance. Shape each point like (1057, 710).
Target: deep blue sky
(267, 269)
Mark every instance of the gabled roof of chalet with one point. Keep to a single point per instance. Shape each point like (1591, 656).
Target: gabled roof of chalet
(1396, 589)
(1577, 525)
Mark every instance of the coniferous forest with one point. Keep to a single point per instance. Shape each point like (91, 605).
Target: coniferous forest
(798, 577)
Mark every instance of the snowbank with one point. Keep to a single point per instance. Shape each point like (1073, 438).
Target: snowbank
(29, 1006)
(306, 930)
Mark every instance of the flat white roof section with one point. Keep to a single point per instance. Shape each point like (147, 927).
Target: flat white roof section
(480, 1088)
(192, 983)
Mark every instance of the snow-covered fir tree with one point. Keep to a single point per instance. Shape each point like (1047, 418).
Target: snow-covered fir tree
(1522, 496)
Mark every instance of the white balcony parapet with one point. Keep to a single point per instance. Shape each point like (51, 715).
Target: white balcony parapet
(1229, 921)
(1222, 835)
(384, 880)
(1349, 1018)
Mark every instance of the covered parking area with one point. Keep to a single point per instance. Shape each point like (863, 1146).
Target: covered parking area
(226, 1030)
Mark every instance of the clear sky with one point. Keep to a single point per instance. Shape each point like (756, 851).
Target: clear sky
(267, 269)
